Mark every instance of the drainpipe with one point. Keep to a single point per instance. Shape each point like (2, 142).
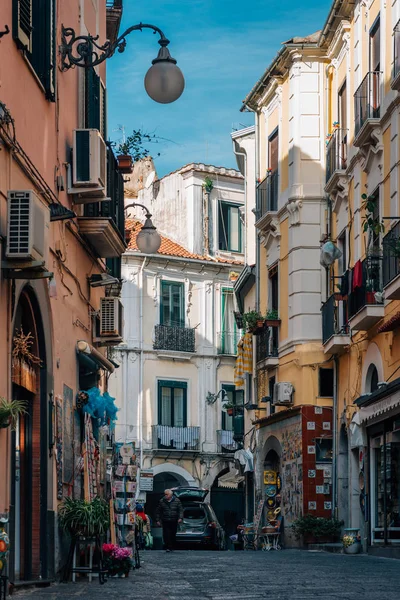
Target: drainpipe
(335, 445)
(141, 366)
(237, 153)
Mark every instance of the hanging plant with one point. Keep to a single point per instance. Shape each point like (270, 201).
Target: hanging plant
(208, 184)
(10, 410)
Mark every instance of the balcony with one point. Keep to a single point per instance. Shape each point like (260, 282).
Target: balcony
(367, 103)
(177, 339)
(335, 330)
(113, 19)
(395, 84)
(267, 194)
(225, 441)
(363, 309)
(184, 439)
(103, 223)
(391, 263)
(336, 163)
(227, 342)
(267, 344)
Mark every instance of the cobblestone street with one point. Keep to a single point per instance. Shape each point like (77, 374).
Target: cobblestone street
(287, 575)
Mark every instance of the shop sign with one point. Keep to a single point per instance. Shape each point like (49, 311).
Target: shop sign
(146, 480)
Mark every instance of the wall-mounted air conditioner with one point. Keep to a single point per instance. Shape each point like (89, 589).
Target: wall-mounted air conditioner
(89, 163)
(111, 320)
(283, 394)
(27, 226)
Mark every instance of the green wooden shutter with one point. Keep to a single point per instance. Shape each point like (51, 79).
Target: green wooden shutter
(92, 99)
(22, 23)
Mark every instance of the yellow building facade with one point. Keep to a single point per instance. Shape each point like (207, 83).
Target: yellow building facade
(327, 179)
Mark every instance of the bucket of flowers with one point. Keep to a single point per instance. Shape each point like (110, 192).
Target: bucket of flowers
(351, 542)
(117, 561)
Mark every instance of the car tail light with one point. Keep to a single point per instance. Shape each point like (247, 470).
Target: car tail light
(213, 525)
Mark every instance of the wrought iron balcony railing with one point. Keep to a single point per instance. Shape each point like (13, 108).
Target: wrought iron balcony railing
(181, 339)
(372, 283)
(227, 342)
(336, 153)
(334, 318)
(225, 441)
(267, 194)
(391, 254)
(166, 437)
(367, 99)
(267, 343)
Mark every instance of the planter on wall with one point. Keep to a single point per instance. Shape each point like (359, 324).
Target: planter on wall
(272, 322)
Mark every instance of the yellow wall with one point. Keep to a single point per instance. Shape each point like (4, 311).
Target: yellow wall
(263, 280)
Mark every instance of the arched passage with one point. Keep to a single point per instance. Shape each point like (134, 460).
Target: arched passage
(228, 505)
(166, 476)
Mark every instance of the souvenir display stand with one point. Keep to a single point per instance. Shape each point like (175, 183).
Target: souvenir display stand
(123, 486)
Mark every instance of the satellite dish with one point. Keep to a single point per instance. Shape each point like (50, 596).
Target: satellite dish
(329, 253)
(150, 179)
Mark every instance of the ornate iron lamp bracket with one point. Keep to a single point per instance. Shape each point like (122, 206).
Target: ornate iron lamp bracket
(85, 51)
(6, 30)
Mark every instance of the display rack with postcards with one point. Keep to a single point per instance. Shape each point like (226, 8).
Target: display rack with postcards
(123, 485)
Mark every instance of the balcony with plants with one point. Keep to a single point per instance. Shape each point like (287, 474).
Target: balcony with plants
(103, 223)
(174, 338)
(335, 328)
(336, 160)
(367, 110)
(391, 263)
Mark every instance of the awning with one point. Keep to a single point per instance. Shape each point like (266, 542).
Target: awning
(378, 408)
(230, 480)
(95, 355)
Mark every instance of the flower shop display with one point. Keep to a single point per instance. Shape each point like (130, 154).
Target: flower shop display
(117, 561)
(351, 541)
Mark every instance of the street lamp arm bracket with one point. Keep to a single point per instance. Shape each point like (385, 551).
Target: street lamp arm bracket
(134, 204)
(85, 51)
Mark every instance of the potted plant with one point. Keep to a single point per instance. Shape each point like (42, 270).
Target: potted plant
(10, 410)
(228, 406)
(84, 519)
(117, 561)
(316, 529)
(271, 318)
(252, 320)
(132, 149)
(351, 541)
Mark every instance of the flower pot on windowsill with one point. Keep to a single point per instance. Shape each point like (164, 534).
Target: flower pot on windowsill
(272, 322)
(125, 164)
(229, 412)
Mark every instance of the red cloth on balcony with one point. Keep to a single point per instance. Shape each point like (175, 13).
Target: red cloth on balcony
(357, 275)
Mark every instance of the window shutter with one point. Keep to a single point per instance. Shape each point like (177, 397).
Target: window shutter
(103, 111)
(92, 100)
(22, 23)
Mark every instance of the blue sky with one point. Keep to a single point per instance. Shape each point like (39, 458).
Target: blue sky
(222, 47)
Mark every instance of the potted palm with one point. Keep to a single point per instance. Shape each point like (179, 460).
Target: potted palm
(10, 410)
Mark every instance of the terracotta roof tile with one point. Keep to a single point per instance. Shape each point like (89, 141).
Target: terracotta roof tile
(168, 247)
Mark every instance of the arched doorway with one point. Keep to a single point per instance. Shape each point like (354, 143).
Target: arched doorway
(30, 540)
(228, 505)
(162, 481)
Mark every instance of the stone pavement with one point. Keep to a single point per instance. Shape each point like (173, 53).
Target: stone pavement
(286, 575)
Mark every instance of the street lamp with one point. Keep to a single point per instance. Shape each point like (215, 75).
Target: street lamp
(164, 81)
(148, 239)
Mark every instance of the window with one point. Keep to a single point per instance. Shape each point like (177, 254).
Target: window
(323, 450)
(372, 379)
(375, 46)
(342, 114)
(34, 32)
(172, 304)
(342, 245)
(229, 227)
(326, 383)
(274, 288)
(229, 332)
(342, 108)
(273, 149)
(95, 102)
(172, 403)
(234, 397)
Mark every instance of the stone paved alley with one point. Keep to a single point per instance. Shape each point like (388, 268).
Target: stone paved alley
(287, 575)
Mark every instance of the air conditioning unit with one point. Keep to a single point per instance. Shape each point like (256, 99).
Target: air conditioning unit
(283, 394)
(89, 161)
(27, 226)
(111, 319)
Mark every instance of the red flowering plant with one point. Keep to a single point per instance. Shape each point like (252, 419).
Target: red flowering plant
(117, 561)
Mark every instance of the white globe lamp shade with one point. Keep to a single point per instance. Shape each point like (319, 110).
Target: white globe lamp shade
(164, 81)
(148, 239)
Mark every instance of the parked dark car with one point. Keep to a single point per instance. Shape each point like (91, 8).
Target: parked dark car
(200, 525)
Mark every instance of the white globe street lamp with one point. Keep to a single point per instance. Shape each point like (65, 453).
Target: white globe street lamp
(148, 239)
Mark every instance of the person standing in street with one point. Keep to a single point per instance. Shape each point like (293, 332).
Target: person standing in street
(169, 513)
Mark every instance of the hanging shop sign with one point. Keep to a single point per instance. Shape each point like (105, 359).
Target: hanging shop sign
(146, 479)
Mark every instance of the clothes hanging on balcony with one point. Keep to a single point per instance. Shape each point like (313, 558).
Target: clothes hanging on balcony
(226, 439)
(244, 359)
(357, 275)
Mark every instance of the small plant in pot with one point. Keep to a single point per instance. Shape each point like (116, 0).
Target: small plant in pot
(132, 149)
(228, 406)
(10, 411)
(272, 318)
(252, 320)
(84, 519)
(351, 541)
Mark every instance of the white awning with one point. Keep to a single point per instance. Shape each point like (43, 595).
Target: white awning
(230, 480)
(378, 408)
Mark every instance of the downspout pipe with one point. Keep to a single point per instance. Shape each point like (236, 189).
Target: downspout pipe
(141, 366)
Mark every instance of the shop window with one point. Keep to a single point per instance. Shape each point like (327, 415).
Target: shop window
(323, 450)
(229, 227)
(172, 403)
(325, 383)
